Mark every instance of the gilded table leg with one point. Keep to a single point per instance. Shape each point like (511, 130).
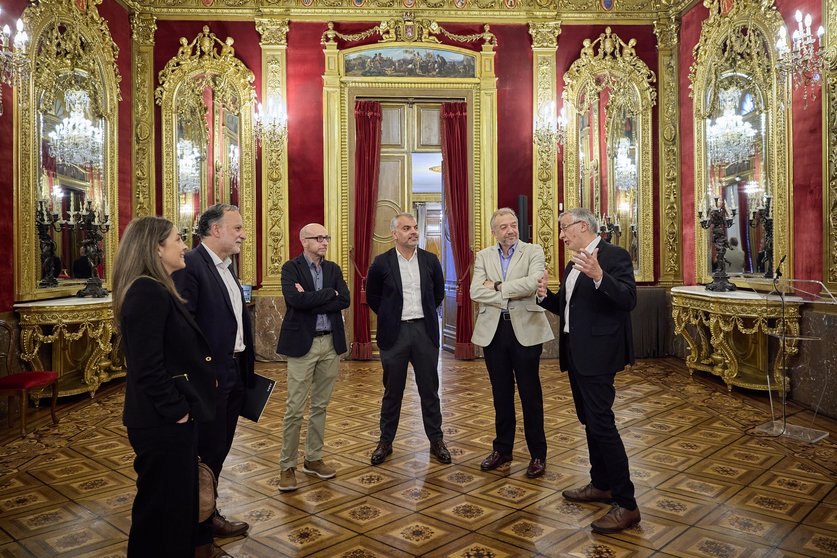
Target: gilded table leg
(93, 373)
(726, 363)
(681, 320)
(30, 345)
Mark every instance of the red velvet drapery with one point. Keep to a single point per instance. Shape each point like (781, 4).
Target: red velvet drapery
(455, 167)
(367, 165)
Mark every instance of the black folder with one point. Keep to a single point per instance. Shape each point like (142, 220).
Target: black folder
(255, 398)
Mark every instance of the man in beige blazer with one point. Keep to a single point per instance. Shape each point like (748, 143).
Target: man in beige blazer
(512, 328)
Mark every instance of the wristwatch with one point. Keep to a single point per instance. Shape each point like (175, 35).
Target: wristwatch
(497, 285)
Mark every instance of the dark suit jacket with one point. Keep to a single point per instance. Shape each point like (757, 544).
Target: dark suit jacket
(162, 342)
(600, 338)
(300, 322)
(385, 294)
(209, 302)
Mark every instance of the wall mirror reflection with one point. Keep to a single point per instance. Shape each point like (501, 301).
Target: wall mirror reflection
(741, 147)
(206, 97)
(609, 96)
(66, 155)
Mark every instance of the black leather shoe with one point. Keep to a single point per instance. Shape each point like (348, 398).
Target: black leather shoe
(222, 528)
(536, 468)
(381, 452)
(211, 550)
(494, 460)
(439, 450)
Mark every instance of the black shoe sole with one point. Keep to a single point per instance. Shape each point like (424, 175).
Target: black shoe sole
(442, 460)
(611, 531)
(495, 466)
(542, 473)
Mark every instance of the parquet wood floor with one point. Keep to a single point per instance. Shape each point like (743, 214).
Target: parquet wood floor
(707, 485)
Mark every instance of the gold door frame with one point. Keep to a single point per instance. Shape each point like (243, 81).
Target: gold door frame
(340, 92)
(618, 63)
(86, 35)
(196, 58)
(744, 18)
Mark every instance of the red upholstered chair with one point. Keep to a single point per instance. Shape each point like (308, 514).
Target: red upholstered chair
(22, 383)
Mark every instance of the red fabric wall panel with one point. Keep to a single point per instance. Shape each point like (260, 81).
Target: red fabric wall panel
(690, 27)
(807, 162)
(120, 29)
(12, 9)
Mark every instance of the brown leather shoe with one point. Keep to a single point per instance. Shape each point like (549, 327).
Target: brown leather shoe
(211, 550)
(494, 460)
(222, 528)
(588, 493)
(439, 450)
(617, 519)
(536, 468)
(381, 453)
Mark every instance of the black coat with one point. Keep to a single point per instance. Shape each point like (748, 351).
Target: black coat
(300, 321)
(209, 302)
(385, 294)
(600, 338)
(168, 359)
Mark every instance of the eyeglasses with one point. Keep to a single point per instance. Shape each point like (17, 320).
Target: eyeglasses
(565, 227)
(319, 238)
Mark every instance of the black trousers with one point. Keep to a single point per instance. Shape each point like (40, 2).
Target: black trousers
(593, 397)
(508, 362)
(165, 510)
(215, 440)
(413, 346)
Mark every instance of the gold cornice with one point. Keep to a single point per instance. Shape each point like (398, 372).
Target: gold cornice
(273, 31)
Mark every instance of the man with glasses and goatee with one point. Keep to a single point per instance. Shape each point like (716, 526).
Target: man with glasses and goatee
(313, 339)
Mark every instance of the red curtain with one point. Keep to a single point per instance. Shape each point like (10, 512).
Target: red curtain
(455, 173)
(367, 165)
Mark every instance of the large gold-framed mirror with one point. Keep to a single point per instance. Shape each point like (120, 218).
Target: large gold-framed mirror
(66, 151)
(206, 98)
(608, 96)
(741, 128)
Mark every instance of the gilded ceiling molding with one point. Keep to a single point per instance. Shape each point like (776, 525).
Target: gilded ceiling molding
(143, 27)
(545, 162)
(207, 61)
(68, 42)
(830, 143)
(275, 226)
(520, 11)
(743, 42)
(668, 124)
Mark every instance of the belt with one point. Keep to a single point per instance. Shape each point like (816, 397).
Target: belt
(505, 315)
(414, 320)
(321, 333)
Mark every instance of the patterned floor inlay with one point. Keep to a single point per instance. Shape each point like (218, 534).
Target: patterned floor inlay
(706, 485)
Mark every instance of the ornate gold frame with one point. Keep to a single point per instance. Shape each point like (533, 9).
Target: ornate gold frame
(617, 61)
(745, 18)
(208, 55)
(75, 38)
(340, 91)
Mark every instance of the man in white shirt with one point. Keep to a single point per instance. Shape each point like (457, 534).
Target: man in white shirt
(405, 287)
(595, 302)
(214, 297)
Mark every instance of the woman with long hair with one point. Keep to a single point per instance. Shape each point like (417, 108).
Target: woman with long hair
(170, 386)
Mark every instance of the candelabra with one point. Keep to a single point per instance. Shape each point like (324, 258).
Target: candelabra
(270, 126)
(763, 215)
(718, 219)
(92, 223)
(801, 60)
(14, 61)
(609, 228)
(548, 129)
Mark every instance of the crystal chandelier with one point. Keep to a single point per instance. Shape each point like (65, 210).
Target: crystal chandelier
(14, 63)
(76, 140)
(270, 125)
(188, 169)
(730, 140)
(801, 61)
(235, 162)
(624, 167)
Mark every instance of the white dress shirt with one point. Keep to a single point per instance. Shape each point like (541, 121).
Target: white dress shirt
(223, 267)
(411, 285)
(569, 285)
